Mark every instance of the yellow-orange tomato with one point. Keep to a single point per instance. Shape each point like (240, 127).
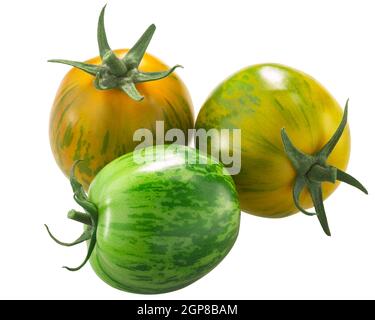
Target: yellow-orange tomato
(97, 126)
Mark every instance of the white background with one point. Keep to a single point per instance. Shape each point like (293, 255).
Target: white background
(288, 258)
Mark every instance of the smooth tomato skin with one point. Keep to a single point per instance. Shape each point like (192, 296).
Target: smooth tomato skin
(97, 126)
(261, 100)
(164, 223)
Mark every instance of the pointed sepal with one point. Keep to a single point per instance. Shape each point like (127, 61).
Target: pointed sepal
(86, 235)
(79, 194)
(152, 76)
(130, 89)
(88, 68)
(135, 55)
(347, 178)
(88, 255)
(102, 36)
(299, 160)
(317, 198)
(297, 190)
(328, 148)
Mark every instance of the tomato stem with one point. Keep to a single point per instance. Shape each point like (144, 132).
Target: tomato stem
(320, 173)
(116, 73)
(80, 217)
(313, 170)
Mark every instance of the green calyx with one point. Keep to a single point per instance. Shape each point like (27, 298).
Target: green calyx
(89, 217)
(119, 73)
(313, 170)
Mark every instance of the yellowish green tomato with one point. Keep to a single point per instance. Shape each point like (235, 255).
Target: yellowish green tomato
(289, 170)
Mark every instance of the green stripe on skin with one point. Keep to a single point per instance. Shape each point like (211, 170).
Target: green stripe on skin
(159, 230)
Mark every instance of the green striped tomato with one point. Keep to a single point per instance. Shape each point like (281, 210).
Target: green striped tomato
(162, 224)
(295, 140)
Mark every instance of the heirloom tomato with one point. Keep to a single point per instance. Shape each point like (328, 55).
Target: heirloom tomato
(295, 144)
(158, 224)
(102, 102)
